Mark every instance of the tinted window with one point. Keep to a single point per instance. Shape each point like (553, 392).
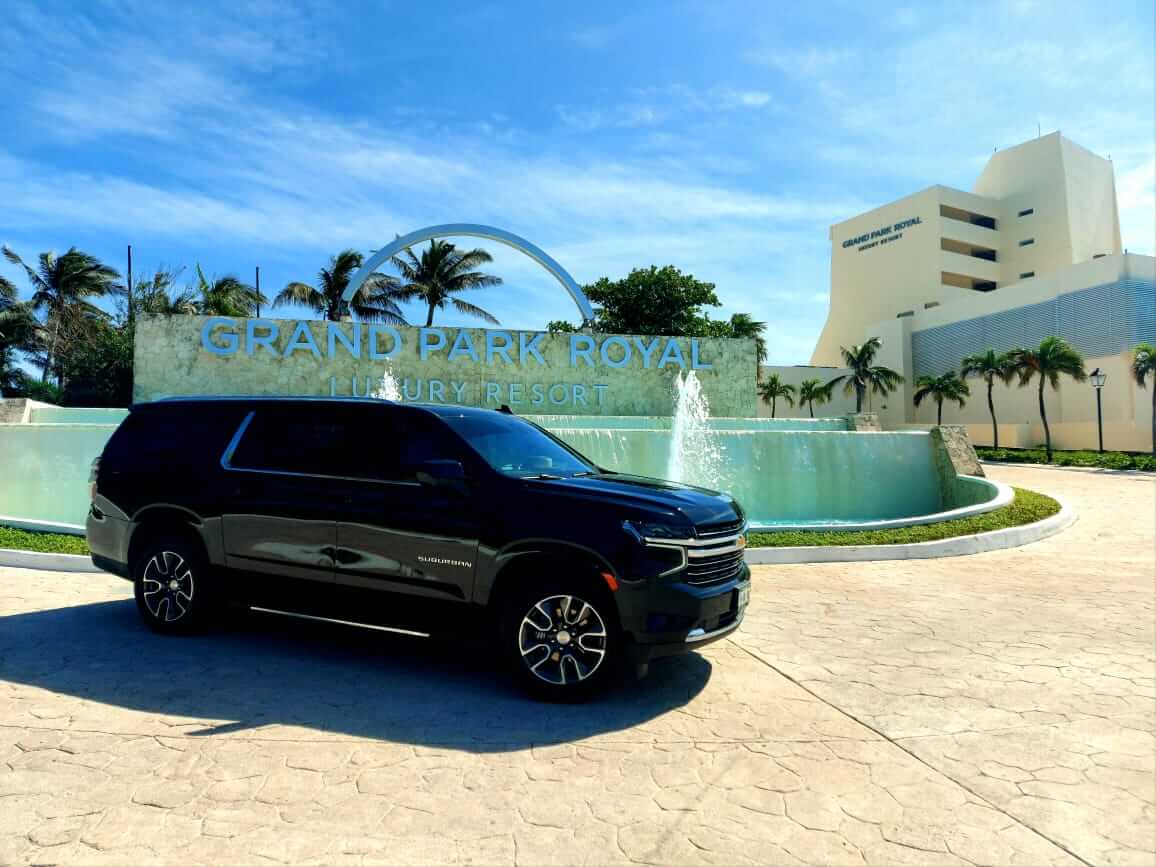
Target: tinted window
(356, 442)
(516, 447)
(297, 440)
(175, 436)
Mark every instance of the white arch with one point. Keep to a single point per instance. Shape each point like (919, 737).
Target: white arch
(474, 230)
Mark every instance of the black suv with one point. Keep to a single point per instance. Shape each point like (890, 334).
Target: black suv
(418, 519)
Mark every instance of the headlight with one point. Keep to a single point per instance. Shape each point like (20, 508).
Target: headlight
(650, 530)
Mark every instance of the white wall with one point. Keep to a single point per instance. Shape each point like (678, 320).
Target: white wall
(839, 405)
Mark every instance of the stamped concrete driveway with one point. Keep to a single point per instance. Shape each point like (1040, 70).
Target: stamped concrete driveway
(995, 709)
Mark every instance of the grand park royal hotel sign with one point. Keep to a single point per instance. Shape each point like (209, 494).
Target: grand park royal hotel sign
(530, 371)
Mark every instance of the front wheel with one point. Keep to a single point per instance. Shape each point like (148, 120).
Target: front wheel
(171, 586)
(561, 640)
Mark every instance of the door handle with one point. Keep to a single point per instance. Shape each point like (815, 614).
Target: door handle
(341, 555)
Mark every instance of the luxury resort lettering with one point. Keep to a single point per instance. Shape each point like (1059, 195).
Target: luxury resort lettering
(442, 351)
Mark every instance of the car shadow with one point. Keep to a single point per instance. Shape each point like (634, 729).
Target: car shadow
(269, 670)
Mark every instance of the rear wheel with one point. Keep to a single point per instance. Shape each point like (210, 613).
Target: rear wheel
(172, 587)
(561, 639)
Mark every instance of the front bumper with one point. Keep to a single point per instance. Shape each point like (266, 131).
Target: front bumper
(663, 617)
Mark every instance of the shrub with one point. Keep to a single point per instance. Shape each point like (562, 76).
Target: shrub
(1084, 458)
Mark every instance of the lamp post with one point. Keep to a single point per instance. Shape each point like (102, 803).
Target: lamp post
(1098, 378)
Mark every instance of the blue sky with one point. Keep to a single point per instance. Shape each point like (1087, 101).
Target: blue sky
(722, 137)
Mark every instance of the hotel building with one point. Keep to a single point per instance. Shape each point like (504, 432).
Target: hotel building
(1033, 250)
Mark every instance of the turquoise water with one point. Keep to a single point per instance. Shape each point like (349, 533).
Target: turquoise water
(792, 477)
(75, 415)
(619, 422)
(817, 474)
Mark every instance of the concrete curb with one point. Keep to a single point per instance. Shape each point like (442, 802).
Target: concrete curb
(1010, 537)
(49, 562)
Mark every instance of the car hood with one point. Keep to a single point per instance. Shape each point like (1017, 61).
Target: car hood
(699, 506)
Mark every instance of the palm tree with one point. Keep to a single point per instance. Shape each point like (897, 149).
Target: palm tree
(774, 388)
(946, 387)
(18, 331)
(375, 301)
(745, 327)
(990, 366)
(1055, 357)
(155, 296)
(225, 296)
(1143, 366)
(61, 287)
(441, 273)
(864, 375)
(811, 392)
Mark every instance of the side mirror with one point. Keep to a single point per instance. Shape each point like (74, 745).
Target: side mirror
(442, 474)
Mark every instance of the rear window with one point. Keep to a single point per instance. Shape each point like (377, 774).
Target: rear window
(189, 434)
(289, 440)
(354, 442)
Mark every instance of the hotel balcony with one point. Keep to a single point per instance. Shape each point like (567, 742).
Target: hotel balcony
(968, 270)
(967, 233)
(970, 218)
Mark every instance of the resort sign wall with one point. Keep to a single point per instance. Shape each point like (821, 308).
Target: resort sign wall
(531, 371)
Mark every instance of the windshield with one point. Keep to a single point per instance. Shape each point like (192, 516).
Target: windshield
(517, 448)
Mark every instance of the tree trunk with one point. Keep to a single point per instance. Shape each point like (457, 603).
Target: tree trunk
(811, 409)
(858, 398)
(991, 409)
(51, 351)
(1154, 416)
(429, 318)
(1044, 418)
(939, 411)
(774, 403)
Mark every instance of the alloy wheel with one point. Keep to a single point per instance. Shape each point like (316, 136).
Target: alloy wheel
(168, 586)
(562, 639)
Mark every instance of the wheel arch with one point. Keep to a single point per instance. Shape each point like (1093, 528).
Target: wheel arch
(512, 565)
(153, 521)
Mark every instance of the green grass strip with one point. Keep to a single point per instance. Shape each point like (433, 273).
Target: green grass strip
(1027, 508)
(47, 543)
(1106, 461)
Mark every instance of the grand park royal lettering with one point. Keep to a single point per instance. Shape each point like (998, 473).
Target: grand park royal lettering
(377, 342)
(882, 235)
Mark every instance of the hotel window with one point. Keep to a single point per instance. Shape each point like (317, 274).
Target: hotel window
(1026, 274)
(1027, 212)
(1027, 242)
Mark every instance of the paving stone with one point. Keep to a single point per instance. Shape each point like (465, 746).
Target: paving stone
(958, 711)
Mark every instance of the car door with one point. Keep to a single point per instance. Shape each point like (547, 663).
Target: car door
(406, 550)
(279, 525)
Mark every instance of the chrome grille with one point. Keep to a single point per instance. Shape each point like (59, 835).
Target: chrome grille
(716, 554)
(714, 567)
(711, 531)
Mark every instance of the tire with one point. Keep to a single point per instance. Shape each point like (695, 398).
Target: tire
(172, 585)
(561, 638)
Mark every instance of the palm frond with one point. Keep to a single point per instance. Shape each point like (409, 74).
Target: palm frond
(469, 309)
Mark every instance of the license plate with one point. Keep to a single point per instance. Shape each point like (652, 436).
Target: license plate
(742, 597)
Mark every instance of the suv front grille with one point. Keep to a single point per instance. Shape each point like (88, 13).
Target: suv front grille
(711, 531)
(716, 554)
(714, 567)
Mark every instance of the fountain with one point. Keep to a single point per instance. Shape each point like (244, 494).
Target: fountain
(387, 389)
(695, 457)
(810, 473)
